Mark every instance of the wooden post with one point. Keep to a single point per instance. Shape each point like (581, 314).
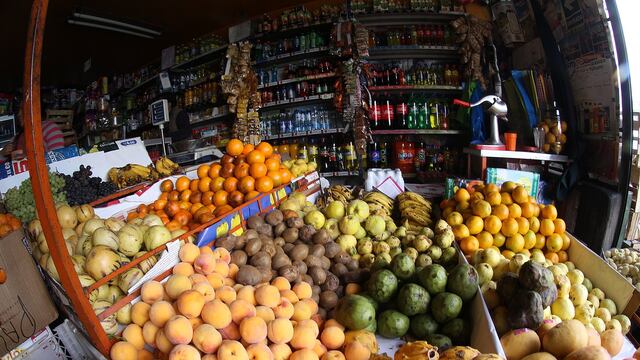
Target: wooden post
(38, 172)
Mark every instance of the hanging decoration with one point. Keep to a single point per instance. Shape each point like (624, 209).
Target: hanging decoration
(472, 34)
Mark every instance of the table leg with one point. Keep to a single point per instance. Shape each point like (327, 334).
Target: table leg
(483, 168)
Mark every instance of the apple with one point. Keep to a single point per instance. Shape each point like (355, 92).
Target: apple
(360, 233)
(358, 208)
(335, 210)
(375, 225)
(331, 225)
(315, 218)
(349, 224)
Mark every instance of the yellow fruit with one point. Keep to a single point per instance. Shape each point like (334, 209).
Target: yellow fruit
(498, 240)
(549, 212)
(540, 241)
(515, 243)
(527, 209)
(462, 195)
(481, 208)
(460, 231)
(566, 242)
(455, 218)
(534, 224)
(492, 224)
(477, 195)
(547, 227)
(489, 188)
(515, 211)
(493, 198)
(447, 211)
(529, 240)
(474, 224)
(523, 225)
(508, 254)
(554, 243)
(506, 198)
(520, 195)
(560, 226)
(485, 240)
(508, 186)
(509, 227)
(462, 205)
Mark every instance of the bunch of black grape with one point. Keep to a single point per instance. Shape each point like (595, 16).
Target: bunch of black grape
(82, 188)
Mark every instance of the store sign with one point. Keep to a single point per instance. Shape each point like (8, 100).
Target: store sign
(160, 112)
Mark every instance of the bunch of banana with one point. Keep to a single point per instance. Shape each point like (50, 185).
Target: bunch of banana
(166, 167)
(339, 193)
(415, 210)
(379, 203)
(132, 174)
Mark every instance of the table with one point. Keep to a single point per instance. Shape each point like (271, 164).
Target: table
(484, 154)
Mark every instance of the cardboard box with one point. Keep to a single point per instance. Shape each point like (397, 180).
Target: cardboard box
(453, 184)
(529, 180)
(25, 305)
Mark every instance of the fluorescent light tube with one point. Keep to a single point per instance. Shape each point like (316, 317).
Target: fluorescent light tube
(105, 27)
(116, 22)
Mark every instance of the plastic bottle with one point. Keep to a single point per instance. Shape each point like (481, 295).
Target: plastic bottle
(404, 154)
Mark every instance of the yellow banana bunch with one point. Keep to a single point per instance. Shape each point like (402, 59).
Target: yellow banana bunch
(339, 193)
(379, 203)
(414, 210)
(132, 174)
(166, 167)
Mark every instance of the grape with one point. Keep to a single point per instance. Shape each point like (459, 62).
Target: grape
(19, 200)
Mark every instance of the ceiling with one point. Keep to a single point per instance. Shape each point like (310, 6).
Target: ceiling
(67, 47)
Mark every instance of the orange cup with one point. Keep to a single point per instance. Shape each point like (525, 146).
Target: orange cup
(510, 139)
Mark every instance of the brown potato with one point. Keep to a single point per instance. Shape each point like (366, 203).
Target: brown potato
(279, 229)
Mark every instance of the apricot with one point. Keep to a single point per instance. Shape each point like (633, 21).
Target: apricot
(210, 357)
(304, 354)
(206, 250)
(205, 289)
(333, 322)
(161, 312)
(149, 332)
(190, 303)
(229, 282)
(123, 350)
(145, 354)
(304, 337)
(184, 352)
(303, 290)
(332, 337)
(232, 350)
(188, 253)
(197, 278)
(311, 325)
(284, 309)
(204, 264)
(216, 280)
(333, 355)
(319, 348)
(356, 351)
(183, 268)
(151, 291)
(195, 322)
(253, 329)
(289, 295)
(268, 295)
(259, 352)
(133, 334)
(246, 292)
(241, 309)
(216, 313)
(281, 283)
(207, 339)
(265, 313)
(226, 294)
(233, 271)
(176, 285)
(230, 332)
(280, 351)
(162, 342)
(140, 313)
(178, 330)
(221, 267)
(304, 309)
(222, 254)
(280, 331)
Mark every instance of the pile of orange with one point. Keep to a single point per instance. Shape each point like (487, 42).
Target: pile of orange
(243, 173)
(8, 223)
(507, 218)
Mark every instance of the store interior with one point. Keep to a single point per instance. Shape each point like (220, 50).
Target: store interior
(361, 179)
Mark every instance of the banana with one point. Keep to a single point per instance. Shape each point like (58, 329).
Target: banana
(165, 166)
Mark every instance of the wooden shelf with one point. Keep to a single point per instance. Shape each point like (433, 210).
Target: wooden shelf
(416, 131)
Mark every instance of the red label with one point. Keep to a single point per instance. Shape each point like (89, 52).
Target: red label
(520, 331)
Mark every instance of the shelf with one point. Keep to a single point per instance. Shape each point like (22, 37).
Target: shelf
(294, 80)
(288, 30)
(413, 52)
(400, 88)
(141, 84)
(119, 194)
(389, 19)
(287, 57)
(301, 100)
(416, 131)
(304, 133)
(522, 155)
(198, 57)
(211, 118)
(339, 173)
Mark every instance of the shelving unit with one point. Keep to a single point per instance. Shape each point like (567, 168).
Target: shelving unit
(195, 59)
(297, 101)
(417, 131)
(291, 56)
(295, 80)
(409, 88)
(413, 52)
(413, 18)
(304, 133)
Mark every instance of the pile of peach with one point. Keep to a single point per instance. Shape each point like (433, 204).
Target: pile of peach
(201, 313)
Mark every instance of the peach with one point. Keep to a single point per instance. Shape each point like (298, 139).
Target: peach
(123, 350)
(281, 283)
(206, 250)
(216, 280)
(233, 270)
(178, 330)
(259, 352)
(303, 290)
(318, 319)
(304, 337)
(232, 350)
(352, 288)
(319, 348)
(190, 303)
(356, 351)
(140, 313)
(268, 295)
(207, 339)
(221, 267)
(304, 354)
(183, 268)
(230, 332)
(280, 331)
(304, 309)
(284, 309)
(289, 295)
(188, 253)
(222, 254)
(133, 334)
(184, 352)
(151, 291)
(204, 264)
(241, 309)
(247, 292)
(332, 337)
(210, 357)
(205, 289)
(333, 322)
(226, 294)
(197, 278)
(216, 313)
(162, 342)
(145, 354)
(253, 329)
(333, 355)
(229, 282)
(311, 325)
(176, 285)
(195, 322)
(149, 332)
(265, 313)
(161, 312)
(280, 351)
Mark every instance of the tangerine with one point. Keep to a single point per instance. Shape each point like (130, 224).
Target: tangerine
(554, 243)
(258, 170)
(286, 176)
(562, 256)
(203, 170)
(527, 209)
(509, 227)
(485, 240)
(250, 195)
(501, 211)
(523, 225)
(498, 240)
(549, 212)
(235, 147)
(207, 197)
(159, 204)
(266, 148)
(493, 198)
(255, 156)
(196, 197)
(506, 198)
(185, 195)
(166, 186)
(492, 224)
(241, 170)
(264, 184)
(236, 198)
(174, 195)
(462, 195)
(475, 224)
(247, 149)
(220, 198)
(219, 211)
(272, 164)
(547, 227)
(193, 186)
(481, 208)
(469, 244)
(540, 241)
(534, 224)
(214, 170)
(515, 211)
(460, 231)
(560, 226)
(553, 257)
(515, 243)
(230, 184)
(276, 177)
(182, 183)
(247, 184)
(204, 184)
(227, 170)
(491, 187)
(520, 195)
(529, 240)
(454, 218)
(566, 241)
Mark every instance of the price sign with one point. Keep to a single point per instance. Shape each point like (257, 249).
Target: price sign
(159, 112)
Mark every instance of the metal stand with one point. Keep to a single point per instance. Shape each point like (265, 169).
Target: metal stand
(164, 146)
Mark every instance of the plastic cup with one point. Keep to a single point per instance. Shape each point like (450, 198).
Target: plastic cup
(510, 139)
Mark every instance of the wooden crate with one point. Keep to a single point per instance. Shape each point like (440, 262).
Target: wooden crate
(64, 119)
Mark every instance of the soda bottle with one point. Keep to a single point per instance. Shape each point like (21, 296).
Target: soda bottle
(420, 160)
(313, 150)
(375, 114)
(387, 113)
(422, 113)
(401, 114)
(333, 156)
(434, 115)
(373, 157)
(384, 153)
(412, 118)
(325, 158)
(349, 155)
(303, 153)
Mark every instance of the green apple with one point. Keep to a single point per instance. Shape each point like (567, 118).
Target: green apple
(331, 225)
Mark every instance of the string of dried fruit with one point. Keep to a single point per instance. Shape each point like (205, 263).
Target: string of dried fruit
(472, 34)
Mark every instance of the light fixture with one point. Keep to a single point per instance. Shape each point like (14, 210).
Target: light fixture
(83, 18)
(105, 27)
(115, 22)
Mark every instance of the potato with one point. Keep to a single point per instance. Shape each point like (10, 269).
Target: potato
(279, 241)
(519, 343)
(261, 260)
(315, 289)
(290, 235)
(254, 222)
(321, 237)
(306, 278)
(279, 229)
(565, 338)
(299, 252)
(253, 246)
(248, 275)
(287, 247)
(356, 276)
(352, 264)
(250, 234)
(266, 274)
(317, 250)
(239, 257)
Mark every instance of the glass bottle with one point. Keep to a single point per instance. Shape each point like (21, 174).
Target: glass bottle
(420, 159)
(422, 113)
(324, 155)
(349, 155)
(412, 118)
(401, 121)
(303, 151)
(384, 153)
(313, 150)
(373, 157)
(434, 115)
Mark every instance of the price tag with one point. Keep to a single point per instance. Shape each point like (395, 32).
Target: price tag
(159, 112)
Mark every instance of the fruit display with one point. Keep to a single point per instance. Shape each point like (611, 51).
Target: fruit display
(133, 174)
(626, 262)
(508, 219)
(415, 210)
(82, 188)
(299, 167)
(19, 200)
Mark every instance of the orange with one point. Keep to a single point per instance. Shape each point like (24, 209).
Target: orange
(235, 147)
(462, 195)
(216, 184)
(498, 240)
(477, 195)
(561, 227)
(182, 183)
(454, 218)
(460, 231)
(286, 176)
(540, 241)
(220, 198)
(230, 184)
(469, 244)
(549, 212)
(250, 195)
(159, 204)
(554, 243)
(536, 210)
(255, 156)
(547, 227)
(264, 184)
(276, 177)
(204, 184)
(166, 186)
(272, 164)
(493, 198)
(529, 240)
(461, 206)
(207, 198)
(446, 212)
(475, 224)
(515, 243)
(492, 224)
(247, 184)
(193, 186)
(481, 208)
(258, 170)
(203, 170)
(247, 149)
(509, 227)
(523, 225)
(164, 196)
(553, 257)
(266, 148)
(520, 195)
(562, 256)
(566, 242)
(527, 209)
(508, 186)
(485, 240)
(501, 211)
(534, 224)
(506, 198)
(489, 188)
(515, 211)
(241, 170)
(214, 170)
